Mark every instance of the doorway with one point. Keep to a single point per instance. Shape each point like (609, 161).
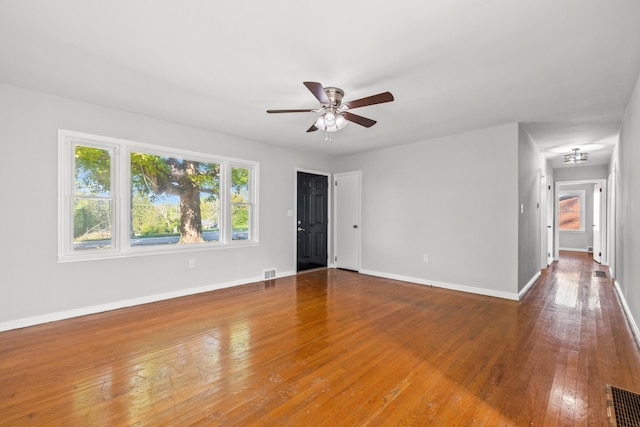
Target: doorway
(593, 223)
(312, 222)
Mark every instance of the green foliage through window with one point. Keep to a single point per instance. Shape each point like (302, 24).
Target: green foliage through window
(240, 202)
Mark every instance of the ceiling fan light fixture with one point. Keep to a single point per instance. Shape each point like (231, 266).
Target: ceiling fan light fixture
(575, 158)
(330, 122)
(329, 119)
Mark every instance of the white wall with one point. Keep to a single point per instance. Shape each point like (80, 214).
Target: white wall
(33, 282)
(578, 173)
(627, 194)
(529, 210)
(453, 198)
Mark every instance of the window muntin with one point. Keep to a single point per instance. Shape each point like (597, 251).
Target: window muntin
(571, 210)
(166, 200)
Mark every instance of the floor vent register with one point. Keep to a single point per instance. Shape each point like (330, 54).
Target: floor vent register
(623, 407)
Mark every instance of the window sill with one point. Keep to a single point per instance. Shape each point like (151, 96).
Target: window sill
(137, 251)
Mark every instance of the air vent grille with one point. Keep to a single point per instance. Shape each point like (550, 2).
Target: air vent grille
(623, 407)
(270, 274)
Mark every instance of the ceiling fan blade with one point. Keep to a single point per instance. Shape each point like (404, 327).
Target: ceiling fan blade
(313, 128)
(362, 121)
(289, 111)
(370, 100)
(318, 91)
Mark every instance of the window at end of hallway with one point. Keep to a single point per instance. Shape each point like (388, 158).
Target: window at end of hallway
(571, 210)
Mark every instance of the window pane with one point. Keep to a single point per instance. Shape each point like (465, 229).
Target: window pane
(240, 185)
(570, 220)
(92, 223)
(173, 200)
(92, 171)
(240, 222)
(570, 211)
(240, 203)
(92, 205)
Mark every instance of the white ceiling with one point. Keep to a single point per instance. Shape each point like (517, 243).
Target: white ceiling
(564, 68)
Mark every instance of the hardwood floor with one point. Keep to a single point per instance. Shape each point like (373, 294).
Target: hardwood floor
(331, 348)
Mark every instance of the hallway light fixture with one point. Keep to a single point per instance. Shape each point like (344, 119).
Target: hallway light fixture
(576, 157)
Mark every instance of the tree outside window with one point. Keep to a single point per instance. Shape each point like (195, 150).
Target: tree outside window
(170, 195)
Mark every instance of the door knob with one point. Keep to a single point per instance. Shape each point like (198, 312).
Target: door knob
(355, 226)
(301, 229)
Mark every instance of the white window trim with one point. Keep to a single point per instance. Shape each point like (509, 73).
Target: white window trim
(121, 192)
(583, 200)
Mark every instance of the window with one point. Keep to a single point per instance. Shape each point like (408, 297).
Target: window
(93, 202)
(571, 210)
(120, 198)
(241, 205)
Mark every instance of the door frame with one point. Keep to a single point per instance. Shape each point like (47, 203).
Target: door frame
(603, 216)
(294, 223)
(546, 220)
(550, 223)
(359, 218)
(611, 223)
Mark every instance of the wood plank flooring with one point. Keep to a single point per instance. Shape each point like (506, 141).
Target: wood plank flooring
(331, 348)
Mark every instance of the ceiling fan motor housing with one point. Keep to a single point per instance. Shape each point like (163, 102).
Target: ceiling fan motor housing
(335, 95)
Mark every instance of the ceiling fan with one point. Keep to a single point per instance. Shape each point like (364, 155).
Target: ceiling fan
(335, 114)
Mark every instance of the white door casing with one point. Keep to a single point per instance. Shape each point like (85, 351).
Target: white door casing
(597, 236)
(603, 214)
(549, 225)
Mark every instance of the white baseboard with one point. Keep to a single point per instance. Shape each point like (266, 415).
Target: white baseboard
(627, 313)
(574, 249)
(452, 286)
(68, 314)
(528, 286)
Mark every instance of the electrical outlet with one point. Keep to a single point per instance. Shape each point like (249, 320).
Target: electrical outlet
(192, 263)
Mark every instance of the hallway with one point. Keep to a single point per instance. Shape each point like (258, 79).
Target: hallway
(590, 344)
